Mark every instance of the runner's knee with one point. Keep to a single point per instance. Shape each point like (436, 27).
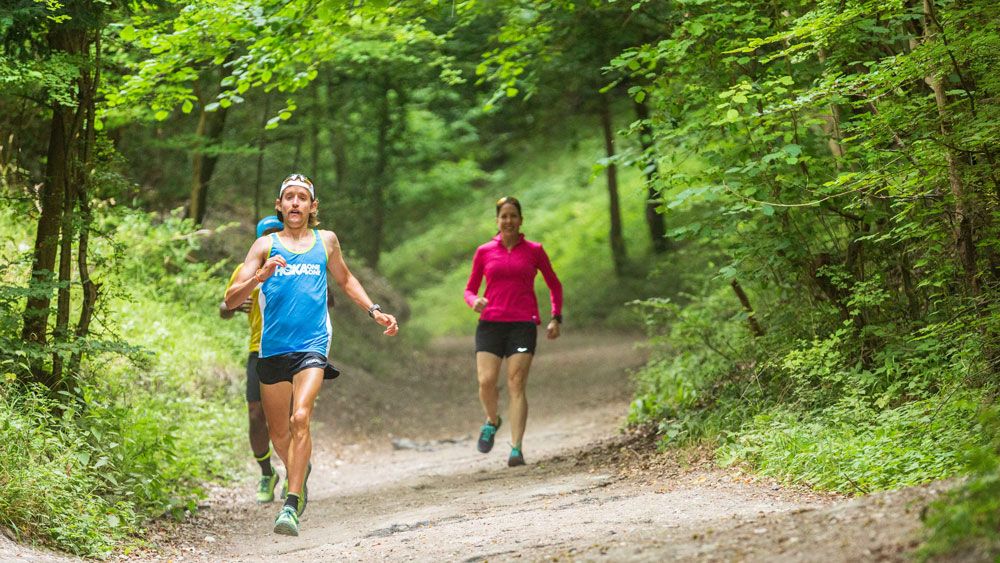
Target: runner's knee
(300, 421)
(487, 379)
(516, 385)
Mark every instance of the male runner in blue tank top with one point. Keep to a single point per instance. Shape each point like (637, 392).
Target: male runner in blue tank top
(291, 267)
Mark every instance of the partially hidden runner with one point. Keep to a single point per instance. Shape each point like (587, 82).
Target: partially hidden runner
(291, 268)
(508, 320)
(260, 445)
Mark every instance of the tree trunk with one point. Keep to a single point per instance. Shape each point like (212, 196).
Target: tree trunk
(261, 145)
(964, 235)
(36, 311)
(210, 127)
(654, 220)
(298, 153)
(314, 130)
(380, 176)
(617, 239)
(338, 147)
(755, 327)
(60, 333)
(831, 126)
(90, 289)
(909, 290)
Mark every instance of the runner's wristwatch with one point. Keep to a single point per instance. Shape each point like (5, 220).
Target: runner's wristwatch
(372, 309)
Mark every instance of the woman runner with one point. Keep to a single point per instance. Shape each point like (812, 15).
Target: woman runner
(291, 267)
(508, 320)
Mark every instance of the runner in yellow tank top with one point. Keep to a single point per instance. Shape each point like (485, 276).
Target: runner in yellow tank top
(260, 444)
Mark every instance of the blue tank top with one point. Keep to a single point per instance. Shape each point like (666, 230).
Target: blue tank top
(293, 302)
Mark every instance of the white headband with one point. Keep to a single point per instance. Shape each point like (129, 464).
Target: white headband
(290, 183)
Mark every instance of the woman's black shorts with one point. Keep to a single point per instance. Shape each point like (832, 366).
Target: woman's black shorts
(506, 339)
(283, 367)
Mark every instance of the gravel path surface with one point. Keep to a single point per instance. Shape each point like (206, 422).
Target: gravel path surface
(397, 477)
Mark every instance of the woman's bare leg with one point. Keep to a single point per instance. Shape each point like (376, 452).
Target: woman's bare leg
(517, 381)
(488, 372)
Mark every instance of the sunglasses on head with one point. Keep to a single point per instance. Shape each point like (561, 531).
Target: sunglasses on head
(297, 178)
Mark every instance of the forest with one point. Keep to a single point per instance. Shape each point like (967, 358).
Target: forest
(795, 203)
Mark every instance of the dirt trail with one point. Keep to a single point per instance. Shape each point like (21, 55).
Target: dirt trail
(586, 494)
(397, 477)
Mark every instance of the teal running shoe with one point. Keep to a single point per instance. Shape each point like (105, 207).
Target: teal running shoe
(265, 489)
(287, 522)
(487, 434)
(516, 457)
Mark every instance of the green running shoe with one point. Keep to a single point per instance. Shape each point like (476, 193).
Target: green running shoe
(486, 435)
(304, 497)
(284, 486)
(287, 522)
(516, 457)
(305, 489)
(265, 489)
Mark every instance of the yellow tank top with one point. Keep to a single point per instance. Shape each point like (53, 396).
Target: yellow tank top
(254, 316)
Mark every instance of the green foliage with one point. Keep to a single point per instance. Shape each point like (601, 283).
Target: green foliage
(847, 149)
(802, 410)
(830, 165)
(262, 45)
(136, 439)
(968, 519)
(50, 477)
(853, 448)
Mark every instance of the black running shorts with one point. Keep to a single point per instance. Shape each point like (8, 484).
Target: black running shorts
(253, 384)
(283, 367)
(506, 339)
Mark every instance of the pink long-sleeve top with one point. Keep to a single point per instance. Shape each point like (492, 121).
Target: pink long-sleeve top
(510, 281)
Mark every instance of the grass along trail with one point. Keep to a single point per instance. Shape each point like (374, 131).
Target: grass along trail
(398, 477)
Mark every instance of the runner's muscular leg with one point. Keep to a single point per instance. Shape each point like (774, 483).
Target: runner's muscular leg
(517, 382)
(258, 427)
(276, 398)
(305, 388)
(488, 372)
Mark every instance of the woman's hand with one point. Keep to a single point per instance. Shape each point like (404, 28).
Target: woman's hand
(479, 304)
(552, 331)
(267, 270)
(388, 321)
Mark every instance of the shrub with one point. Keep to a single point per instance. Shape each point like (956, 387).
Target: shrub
(968, 519)
(152, 415)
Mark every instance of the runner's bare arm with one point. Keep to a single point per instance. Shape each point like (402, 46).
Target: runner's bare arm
(352, 287)
(256, 268)
(226, 312)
